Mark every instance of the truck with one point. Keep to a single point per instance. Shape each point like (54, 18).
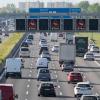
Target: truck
(67, 54)
(81, 45)
(54, 37)
(7, 92)
(13, 67)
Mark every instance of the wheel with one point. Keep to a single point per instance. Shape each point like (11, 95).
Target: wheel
(6, 75)
(38, 94)
(68, 82)
(75, 95)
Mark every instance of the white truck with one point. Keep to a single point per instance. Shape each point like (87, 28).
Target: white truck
(53, 37)
(13, 67)
(67, 54)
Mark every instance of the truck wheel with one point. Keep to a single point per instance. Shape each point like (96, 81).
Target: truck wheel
(6, 75)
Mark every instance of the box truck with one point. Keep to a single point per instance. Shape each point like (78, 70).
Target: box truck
(67, 54)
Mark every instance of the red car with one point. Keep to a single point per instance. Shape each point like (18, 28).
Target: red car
(74, 77)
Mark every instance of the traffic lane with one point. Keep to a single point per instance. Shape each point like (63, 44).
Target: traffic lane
(66, 90)
(91, 72)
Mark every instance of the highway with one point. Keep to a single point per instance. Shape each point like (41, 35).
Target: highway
(27, 87)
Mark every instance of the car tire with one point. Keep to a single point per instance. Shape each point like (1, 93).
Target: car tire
(75, 95)
(68, 82)
(38, 94)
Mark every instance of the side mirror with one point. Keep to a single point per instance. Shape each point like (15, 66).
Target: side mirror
(16, 96)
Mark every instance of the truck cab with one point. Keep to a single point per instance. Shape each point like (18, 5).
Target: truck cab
(7, 92)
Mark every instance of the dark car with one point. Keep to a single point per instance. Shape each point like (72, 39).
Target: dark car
(89, 97)
(30, 37)
(46, 89)
(43, 75)
(24, 44)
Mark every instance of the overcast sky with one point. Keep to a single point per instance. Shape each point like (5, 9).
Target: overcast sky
(4, 2)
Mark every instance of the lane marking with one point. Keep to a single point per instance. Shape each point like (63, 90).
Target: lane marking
(60, 93)
(30, 71)
(30, 75)
(26, 99)
(56, 76)
(31, 64)
(55, 72)
(27, 92)
(29, 80)
(28, 86)
(58, 86)
(97, 63)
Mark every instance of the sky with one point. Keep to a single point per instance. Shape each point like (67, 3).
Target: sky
(4, 2)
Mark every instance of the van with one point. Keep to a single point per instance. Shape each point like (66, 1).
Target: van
(42, 63)
(13, 67)
(7, 92)
(24, 52)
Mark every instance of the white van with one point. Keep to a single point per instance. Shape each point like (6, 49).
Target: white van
(54, 37)
(24, 52)
(13, 67)
(42, 63)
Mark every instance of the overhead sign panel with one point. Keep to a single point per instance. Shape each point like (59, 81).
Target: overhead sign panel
(32, 24)
(54, 10)
(20, 24)
(55, 24)
(43, 24)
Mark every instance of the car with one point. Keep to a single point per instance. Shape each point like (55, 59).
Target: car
(42, 63)
(42, 49)
(46, 89)
(46, 55)
(30, 36)
(24, 52)
(94, 49)
(82, 88)
(43, 75)
(90, 45)
(90, 97)
(89, 56)
(43, 42)
(24, 44)
(29, 41)
(55, 48)
(74, 77)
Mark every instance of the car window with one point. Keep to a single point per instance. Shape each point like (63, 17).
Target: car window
(83, 85)
(90, 98)
(76, 74)
(24, 49)
(44, 71)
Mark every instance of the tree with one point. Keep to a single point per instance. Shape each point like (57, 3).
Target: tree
(84, 5)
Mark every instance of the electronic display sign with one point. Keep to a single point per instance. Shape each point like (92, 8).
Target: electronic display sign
(68, 24)
(55, 24)
(43, 24)
(20, 25)
(32, 24)
(80, 24)
(93, 24)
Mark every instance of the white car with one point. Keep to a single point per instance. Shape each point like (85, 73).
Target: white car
(94, 49)
(46, 55)
(82, 88)
(89, 56)
(29, 41)
(90, 45)
(55, 48)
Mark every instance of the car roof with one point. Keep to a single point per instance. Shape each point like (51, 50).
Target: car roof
(83, 82)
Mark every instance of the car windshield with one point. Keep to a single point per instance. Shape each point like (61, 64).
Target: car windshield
(84, 85)
(44, 71)
(89, 54)
(90, 98)
(76, 74)
(24, 49)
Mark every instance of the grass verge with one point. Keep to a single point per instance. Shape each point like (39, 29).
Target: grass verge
(95, 36)
(8, 45)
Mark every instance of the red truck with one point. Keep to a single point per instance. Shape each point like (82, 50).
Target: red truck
(7, 92)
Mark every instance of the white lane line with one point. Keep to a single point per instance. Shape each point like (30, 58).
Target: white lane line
(31, 64)
(55, 72)
(29, 80)
(30, 71)
(58, 86)
(27, 92)
(30, 75)
(26, 99)
(85, 77)
(56, 76)
(60, 93)
(97, 63)
(28, 86)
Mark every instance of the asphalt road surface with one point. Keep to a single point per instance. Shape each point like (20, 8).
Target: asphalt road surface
(27, 88)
